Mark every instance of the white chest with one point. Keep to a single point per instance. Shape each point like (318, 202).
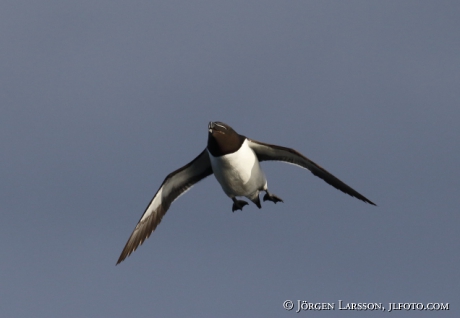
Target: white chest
(238, 173)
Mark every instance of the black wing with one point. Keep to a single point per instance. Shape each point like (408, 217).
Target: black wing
(272, 152)
(175, 184)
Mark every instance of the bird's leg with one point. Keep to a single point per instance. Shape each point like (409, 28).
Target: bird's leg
(256, 201)
(271, 197)
(238, 204)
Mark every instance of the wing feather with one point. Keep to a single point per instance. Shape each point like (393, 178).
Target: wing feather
(267, 152)
(174, 185)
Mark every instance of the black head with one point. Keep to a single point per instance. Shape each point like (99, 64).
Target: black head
(222, 139)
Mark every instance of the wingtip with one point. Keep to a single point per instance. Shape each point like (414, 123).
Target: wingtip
(370, 202)
(364, 199)
(124, 255)
(120, 259)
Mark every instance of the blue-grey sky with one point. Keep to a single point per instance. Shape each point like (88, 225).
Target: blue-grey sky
(100, 100)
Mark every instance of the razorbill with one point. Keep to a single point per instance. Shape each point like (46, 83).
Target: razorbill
(234, 160)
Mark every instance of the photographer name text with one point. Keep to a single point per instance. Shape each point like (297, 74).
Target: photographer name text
(303, 305)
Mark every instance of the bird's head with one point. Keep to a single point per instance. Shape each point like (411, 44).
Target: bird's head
(222, 139)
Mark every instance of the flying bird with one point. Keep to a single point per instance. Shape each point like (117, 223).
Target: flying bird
(234, 159)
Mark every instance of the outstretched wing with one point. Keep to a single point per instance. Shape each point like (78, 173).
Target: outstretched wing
(271, 152)
(175, 184)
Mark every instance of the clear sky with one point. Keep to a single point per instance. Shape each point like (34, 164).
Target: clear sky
(100, 100)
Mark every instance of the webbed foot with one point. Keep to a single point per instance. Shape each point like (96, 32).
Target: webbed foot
(238, 204)
(271, 197)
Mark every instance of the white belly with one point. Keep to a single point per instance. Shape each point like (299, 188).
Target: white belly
(239, 173)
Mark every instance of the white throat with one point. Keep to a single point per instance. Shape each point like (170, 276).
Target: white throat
(238, 173)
